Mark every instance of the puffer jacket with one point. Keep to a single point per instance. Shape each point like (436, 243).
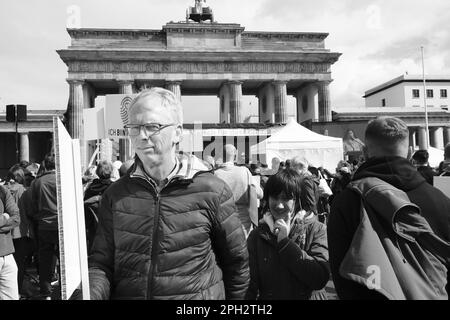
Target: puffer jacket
(184, 242)
(292, 268)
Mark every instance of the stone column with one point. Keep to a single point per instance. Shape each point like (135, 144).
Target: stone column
(24, 147)
(422, 138)
(175, 87)
(324, 102)
(280, 101)
(75, 116)
(412, 137)
(437, 137)
(235, 88)
(446, 135)
(125, 152)
(75, 109)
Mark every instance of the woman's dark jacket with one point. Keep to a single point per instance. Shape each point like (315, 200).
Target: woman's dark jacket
(291, 269)
(97, 188)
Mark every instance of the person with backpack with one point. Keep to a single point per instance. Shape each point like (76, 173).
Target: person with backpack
(388, 231)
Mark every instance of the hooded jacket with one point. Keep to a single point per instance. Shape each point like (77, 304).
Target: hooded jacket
(184, 242)
(345, 216)
(292, 268)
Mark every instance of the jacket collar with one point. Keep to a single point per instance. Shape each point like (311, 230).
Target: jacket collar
(187, 166)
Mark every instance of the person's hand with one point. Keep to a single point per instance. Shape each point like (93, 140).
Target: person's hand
(6, 215)
(281, 229)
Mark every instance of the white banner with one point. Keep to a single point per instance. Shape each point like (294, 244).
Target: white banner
(116, 114)
(71, 225)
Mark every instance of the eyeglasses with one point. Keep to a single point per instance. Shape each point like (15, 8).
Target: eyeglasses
(150, 129)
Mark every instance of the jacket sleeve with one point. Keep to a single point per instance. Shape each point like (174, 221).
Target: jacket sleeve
(343, 222)
(101, 262)
(10, 206)
(230, 247)
(253, 288)
(309, 267)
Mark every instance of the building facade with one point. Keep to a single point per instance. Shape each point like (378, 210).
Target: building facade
(29, 141)
(191, 58)
(407, 91)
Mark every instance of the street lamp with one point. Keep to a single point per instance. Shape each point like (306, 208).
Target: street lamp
(427, 134)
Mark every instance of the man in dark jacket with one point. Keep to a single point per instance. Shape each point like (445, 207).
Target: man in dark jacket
(9, 219)
(167, 229)
(387, 146)
(45, 215)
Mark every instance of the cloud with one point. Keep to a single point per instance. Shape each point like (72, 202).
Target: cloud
(379, 39)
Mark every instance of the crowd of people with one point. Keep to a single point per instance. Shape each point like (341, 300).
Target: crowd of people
(169, 225)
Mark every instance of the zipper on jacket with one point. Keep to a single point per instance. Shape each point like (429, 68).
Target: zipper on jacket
(153, 248)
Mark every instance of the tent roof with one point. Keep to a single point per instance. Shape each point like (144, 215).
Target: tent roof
(294, 132)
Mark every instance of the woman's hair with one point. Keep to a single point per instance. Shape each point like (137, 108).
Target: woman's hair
(104, 170)
(287, 181)
(17, 174)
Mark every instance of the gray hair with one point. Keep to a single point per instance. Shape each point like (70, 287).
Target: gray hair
(168, 101)
(300, 164)
(230, 152)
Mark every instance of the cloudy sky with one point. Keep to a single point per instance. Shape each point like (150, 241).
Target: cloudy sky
(379, 39)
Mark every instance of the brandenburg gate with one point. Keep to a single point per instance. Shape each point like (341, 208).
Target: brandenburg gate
(201, 58)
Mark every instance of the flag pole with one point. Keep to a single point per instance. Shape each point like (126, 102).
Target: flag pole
(427, 133)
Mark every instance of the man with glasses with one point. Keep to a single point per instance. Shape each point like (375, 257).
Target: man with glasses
(167, 229)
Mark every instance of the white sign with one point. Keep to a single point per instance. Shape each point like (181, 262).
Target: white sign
(71, 225)
(116, 114)
(443, 184)
(94, 123)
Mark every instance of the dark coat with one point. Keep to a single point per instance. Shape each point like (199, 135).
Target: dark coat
(345, 215)
(9, 206)
(292, 268)
(427, 172)
(184, 242)
(97, 188)
(44, 201)
(309, 195)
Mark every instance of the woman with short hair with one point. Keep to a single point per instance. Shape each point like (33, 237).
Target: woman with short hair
(288, 251)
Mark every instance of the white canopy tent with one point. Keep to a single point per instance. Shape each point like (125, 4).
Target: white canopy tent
(296, 140)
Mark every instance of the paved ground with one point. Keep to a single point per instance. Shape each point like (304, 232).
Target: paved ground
(331, 292)
(31, 288)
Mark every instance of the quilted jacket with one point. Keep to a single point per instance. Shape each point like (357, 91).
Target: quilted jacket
(184, 242)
